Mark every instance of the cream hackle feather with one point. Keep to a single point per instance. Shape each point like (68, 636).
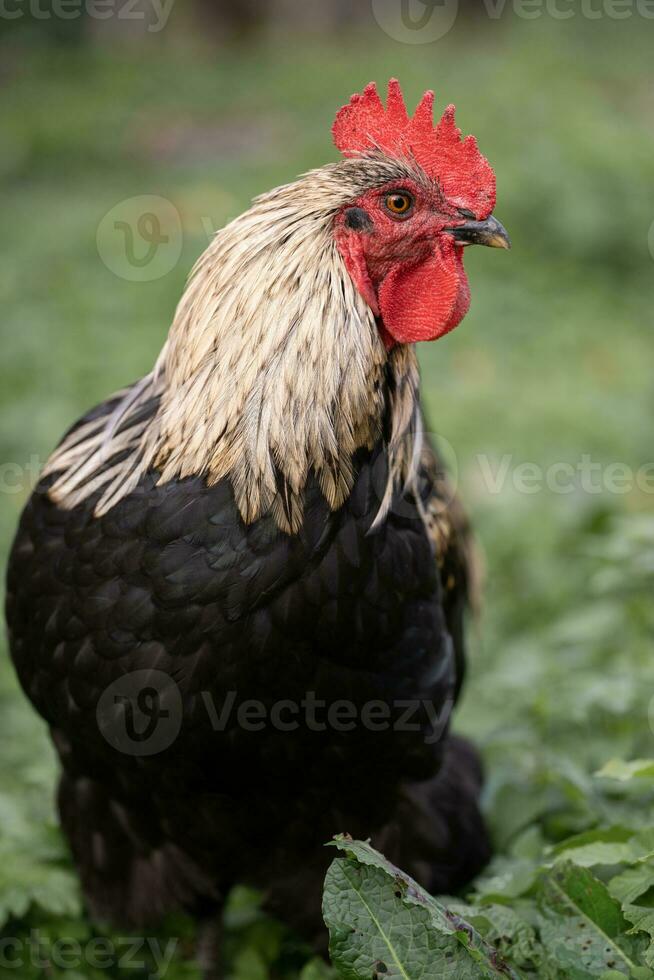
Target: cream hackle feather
(273, 368)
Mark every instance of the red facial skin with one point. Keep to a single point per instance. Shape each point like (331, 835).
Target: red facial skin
(408, 270)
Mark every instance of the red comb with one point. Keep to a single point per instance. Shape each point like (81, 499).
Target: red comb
(465, 176)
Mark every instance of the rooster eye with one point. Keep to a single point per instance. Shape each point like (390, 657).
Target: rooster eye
(399, 203)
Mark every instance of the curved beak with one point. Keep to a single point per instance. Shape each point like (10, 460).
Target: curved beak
(489, 232)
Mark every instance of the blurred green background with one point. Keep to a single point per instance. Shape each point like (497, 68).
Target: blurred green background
(552, 365)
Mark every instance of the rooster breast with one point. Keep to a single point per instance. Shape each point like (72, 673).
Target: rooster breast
(171, 584)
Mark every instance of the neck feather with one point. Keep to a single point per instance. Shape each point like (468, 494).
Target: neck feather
(273, 368)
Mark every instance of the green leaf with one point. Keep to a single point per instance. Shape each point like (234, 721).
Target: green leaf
(506, 879)
(634, 889)
(625, 771)
(504, 928)
(26, 882)
(642, 920)
(317, 969)
(249, 965)
(581, 924)
(612, 845)
(632, 883)
(383, 924)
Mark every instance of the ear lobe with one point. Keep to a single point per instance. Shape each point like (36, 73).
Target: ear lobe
(357, 219)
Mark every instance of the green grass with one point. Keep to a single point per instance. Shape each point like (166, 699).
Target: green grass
(553, 362)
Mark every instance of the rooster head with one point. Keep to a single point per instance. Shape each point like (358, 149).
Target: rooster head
(292, 347)
(402, 242)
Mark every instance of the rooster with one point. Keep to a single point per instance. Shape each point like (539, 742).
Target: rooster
(237, 594)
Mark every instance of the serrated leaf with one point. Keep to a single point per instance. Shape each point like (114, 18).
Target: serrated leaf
(504, 928)
(582, 924)
(632, 883)
(381, 922)
(642, 920)
(634, 889)
(372, 934)
(25, 882)
(364, 853)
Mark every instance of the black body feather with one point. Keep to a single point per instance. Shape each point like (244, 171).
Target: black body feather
(171, 581)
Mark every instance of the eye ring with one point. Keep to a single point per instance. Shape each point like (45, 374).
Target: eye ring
(399, 204)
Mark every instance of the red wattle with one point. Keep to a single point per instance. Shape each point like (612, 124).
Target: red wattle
(426, 300)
